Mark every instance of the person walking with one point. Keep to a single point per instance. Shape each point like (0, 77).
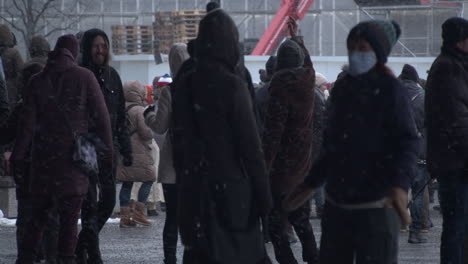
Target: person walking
(60, 99)
(96, 210)
(447, 136)
(410, 79)
(223, 186)
(369, 153)
(143, 168)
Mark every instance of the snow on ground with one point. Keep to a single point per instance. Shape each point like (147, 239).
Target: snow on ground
(12, 222)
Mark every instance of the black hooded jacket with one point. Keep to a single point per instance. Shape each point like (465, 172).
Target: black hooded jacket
(447, 112)
(111, 87)
(224, 133)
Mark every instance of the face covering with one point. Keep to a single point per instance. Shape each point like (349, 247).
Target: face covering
(361, 62)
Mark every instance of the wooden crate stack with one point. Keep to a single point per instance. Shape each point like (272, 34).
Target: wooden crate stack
(132, 39)
(174, 27)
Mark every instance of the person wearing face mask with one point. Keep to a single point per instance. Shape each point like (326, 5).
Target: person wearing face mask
(447, 136)
(369, 154)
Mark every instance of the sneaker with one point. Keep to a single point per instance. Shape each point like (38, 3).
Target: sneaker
(417, 238)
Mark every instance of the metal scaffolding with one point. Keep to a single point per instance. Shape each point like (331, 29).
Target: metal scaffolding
(325, 26)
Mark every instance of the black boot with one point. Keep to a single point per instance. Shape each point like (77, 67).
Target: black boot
(66, 260)
(94, 252)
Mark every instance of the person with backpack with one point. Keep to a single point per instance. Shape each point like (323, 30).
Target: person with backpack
(143, 168)
(410, 79)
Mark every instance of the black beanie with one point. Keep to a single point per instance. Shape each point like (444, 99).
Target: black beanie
(382, 35)
(211, 5)
(290, 55)
(409, 73)
(454, 30)
(271, 65)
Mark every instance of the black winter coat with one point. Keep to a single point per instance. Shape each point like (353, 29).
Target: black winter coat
(261, 105)
(447, 112)
(223, 176)
(4, 109)
(416, 94)
(370, 140)
(111, 87)
(320, 108)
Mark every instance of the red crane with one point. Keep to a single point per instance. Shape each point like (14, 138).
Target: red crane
(278, 26)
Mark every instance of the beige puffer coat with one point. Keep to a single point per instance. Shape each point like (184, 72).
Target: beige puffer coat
(144, 165)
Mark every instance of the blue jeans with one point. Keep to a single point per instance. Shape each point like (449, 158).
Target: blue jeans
(126, 192)
(319, 197)
(417, 207)
(453, 195)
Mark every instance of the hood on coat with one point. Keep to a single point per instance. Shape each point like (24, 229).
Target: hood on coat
(409, 73)
(64, 54)
(39, 47)
(87, 43)
(218, 39)
(7, 38)
(290, 55)
(177, 55)
(135, 92)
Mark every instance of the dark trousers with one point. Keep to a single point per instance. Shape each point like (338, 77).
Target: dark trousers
(94, 215)
(68, 209)
(453, 195)
(170, 232)
(299, 219)
(369, 236)
(196, 256)
(417, 207)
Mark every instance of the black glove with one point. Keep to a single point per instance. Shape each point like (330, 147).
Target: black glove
(127, 161)
(149, 109)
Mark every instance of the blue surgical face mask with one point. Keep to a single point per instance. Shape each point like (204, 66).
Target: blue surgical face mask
(361, 62)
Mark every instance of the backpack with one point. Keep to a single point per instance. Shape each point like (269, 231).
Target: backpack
(128, 122)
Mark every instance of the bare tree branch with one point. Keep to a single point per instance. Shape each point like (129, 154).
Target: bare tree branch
(44, 8)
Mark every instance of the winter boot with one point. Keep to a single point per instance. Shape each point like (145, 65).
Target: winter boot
(417, 238)
(125, 217)
(139, 214)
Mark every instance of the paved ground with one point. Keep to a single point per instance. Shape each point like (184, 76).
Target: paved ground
(143, 245)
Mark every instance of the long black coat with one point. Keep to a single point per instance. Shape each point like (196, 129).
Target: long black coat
(4, 109)
(215, 124)
(447, 112)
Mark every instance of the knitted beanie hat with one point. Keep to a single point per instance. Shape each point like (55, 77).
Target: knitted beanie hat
(320, 79)
(290, 55)
(454, 30)
(382, 35)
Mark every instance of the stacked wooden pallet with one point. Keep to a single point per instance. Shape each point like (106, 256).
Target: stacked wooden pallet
(132, 39)
(175, 27)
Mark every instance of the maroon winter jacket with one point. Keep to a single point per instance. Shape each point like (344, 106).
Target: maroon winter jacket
(43, 127)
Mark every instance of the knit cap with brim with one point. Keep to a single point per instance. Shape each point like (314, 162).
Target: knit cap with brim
(290, 55)
(382, 35)
(454, 30)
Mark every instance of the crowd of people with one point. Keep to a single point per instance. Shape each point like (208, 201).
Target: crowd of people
(239, 164)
